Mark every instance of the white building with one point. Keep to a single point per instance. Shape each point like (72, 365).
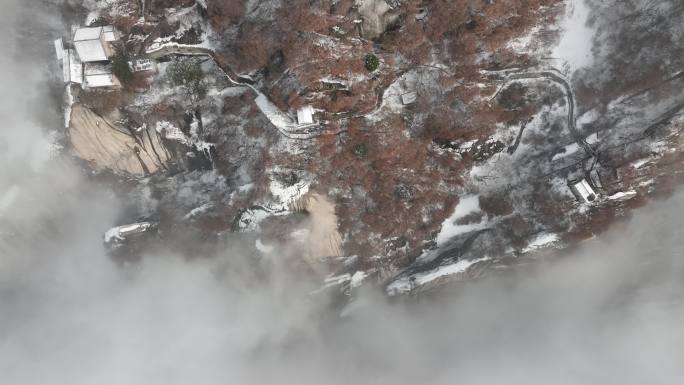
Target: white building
(305, 115)
(72, 68)
(143, 65)
(583, 191)
(99, 75)
(94, 43)
(59, 48)
(88, 63)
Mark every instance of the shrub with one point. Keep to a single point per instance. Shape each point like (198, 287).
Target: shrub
(222, 13)
(101, 101)
(120, 67)
(405, 192)
(513, 97)
(484, 150)
(360, 150)
(185, 71)
(372, 62)
(188, 74)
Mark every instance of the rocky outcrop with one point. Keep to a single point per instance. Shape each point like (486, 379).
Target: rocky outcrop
(107, 145)
(377, 15)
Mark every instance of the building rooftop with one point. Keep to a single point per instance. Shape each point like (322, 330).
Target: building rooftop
(99, 75)
(583, 191)
(59, 48)
(91, 33)
(72, 67)
(110, 33)
(305, 115)
(103, 80)
(98, 68)
(92, 43)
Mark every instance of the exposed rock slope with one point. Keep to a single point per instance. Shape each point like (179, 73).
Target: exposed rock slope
(109, 145)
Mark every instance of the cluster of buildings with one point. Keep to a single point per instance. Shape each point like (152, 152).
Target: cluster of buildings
(86, 61)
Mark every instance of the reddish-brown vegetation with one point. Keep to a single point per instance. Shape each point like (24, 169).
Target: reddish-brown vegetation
(102, 102)
(223, 13)
(386, 180)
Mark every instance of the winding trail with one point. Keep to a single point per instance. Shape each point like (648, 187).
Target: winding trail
(297, 133)
(455, 251)
(569, 94)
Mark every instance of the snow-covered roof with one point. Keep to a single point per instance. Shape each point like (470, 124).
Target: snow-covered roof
(110, 36)
(59, 48)
(99, 75)
(91, 43)
(305, 115)
(91, 50)
(583, 191)
(72, 67)
(95, 81)
(97, 69)
(109, 33)
(92, 33)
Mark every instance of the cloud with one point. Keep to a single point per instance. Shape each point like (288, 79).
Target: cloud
(608, 312)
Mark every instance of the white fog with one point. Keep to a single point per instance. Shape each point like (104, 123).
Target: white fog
(609, 311)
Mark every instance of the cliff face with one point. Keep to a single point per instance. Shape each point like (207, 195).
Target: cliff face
(445, 132)
(375, 16)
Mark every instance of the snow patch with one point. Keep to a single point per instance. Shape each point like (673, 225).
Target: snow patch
(287, 194)
(592, 139)
(68, 106)
(623, 195)
(442, 271)
(525, 43)
(574, 49)
(171, 132)
(121, 232)
(273, 114)
(567, 150)
(159, 44)
(197, 211)
(640, 162)
(283, 122)
(542, 240)
(251, 219)
(467, 205)
(352, 280)
(266, 249)
(100, 8)
(357, 278)
(408, 283)
(588, 117)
